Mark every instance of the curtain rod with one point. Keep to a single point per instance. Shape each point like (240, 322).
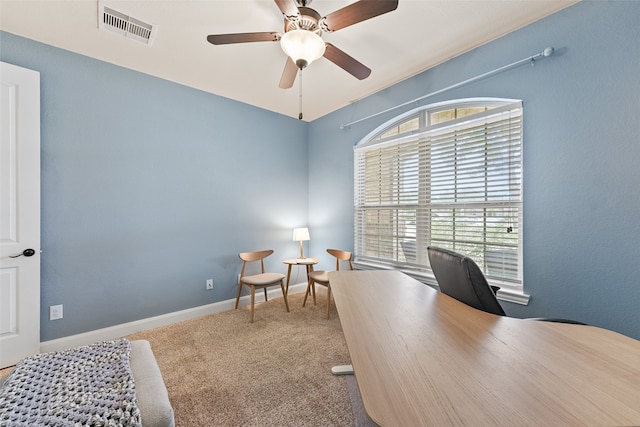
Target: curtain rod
(546, 52)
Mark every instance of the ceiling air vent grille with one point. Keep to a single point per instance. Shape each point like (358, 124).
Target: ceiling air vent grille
(127, 26)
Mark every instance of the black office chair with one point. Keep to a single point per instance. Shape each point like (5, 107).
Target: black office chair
(460, 277)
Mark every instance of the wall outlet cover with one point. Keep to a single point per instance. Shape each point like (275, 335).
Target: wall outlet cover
(55, 312)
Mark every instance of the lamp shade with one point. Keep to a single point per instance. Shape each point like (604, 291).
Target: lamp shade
(302, 46)
(300, 234)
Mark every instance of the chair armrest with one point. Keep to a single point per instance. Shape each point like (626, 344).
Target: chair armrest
(553, 319)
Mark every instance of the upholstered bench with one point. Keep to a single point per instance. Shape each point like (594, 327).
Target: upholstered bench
(151, 394)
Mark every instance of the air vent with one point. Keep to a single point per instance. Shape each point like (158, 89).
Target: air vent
(127, 26)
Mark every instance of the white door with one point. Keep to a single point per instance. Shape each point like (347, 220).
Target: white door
(19, 213)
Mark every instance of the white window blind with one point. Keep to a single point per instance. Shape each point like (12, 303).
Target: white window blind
(456, 184)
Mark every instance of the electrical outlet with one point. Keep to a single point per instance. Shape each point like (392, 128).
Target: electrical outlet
(209, 284)
(55, 312)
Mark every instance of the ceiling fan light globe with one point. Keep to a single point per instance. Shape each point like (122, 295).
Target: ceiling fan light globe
(302, 46)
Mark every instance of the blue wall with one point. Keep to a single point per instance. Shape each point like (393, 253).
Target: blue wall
(149, 188)
(581, 158)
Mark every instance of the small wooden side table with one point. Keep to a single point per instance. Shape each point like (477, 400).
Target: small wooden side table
(308, 262)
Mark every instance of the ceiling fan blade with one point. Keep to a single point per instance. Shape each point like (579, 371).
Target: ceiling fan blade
(289, 74)
(288, 8)
(357, 12)
(346, 62)
(242, 38)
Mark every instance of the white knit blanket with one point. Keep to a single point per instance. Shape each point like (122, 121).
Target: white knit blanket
(86, 386)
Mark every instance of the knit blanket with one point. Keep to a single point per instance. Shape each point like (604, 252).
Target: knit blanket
(86, 386)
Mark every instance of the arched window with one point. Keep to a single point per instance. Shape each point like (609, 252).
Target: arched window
(447, 175)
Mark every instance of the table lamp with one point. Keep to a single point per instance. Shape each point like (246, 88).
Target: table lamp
(300, 235)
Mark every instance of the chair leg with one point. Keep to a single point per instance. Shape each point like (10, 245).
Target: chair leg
(285, 295)
(238, 297)
(328, 300)
(265, 294)
(313, 289)
(253, 298)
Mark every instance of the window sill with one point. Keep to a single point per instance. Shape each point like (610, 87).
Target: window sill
(504, 294)
(513, 296)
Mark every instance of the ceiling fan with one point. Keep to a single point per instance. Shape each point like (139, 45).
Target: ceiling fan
(302, 41)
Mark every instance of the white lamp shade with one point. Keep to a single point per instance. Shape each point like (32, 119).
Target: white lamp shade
(302, 46)
(300, 234)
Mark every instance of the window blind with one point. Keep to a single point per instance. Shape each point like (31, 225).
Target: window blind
(456, 185)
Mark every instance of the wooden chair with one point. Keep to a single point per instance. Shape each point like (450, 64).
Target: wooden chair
(262, 280)
(321, 277)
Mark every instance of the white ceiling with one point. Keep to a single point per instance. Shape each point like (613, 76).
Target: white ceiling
(417, 36)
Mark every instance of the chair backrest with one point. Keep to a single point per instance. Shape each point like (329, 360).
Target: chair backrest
(460, 277)
(341, 256)
(253, 256)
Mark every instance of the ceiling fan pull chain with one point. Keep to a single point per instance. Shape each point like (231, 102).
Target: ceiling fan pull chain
(300, 96)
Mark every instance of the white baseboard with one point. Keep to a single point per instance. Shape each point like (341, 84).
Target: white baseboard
(125, 329)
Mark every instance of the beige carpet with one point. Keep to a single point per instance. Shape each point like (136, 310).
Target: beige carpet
(220, 370)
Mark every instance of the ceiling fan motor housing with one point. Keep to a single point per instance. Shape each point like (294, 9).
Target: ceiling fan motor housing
(308, 20)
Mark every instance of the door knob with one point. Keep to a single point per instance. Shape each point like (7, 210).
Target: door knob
(26, 252)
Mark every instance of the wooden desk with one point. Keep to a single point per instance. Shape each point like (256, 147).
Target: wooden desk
(422, 358)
